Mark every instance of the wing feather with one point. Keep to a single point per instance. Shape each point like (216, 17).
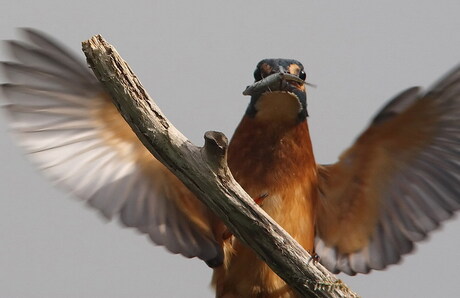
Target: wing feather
(396, 184)
(71, 130)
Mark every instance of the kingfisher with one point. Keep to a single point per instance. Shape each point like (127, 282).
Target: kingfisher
(394, 185)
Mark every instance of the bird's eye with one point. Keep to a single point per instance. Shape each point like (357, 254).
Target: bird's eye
(302, 75)
(257, 75)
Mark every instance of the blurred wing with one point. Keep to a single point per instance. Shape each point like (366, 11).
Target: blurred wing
(397, 182)
(72, 131)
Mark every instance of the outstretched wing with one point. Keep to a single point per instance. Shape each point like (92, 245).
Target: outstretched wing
(69, 127)
(397, 183)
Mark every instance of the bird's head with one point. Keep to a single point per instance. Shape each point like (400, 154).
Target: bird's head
(278, 92)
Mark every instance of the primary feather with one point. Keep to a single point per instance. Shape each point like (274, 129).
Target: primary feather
(396, 184)
(69, 127)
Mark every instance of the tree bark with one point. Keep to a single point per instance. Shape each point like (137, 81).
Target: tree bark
(204, 171)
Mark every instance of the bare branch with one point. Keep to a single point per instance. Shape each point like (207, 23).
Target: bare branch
(204, 171)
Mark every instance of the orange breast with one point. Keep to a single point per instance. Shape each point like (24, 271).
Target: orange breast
(271, 158)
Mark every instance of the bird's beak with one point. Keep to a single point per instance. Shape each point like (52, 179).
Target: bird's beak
(274, 82)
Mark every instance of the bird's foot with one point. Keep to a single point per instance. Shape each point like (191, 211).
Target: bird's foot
(259, 201)
(313, 257)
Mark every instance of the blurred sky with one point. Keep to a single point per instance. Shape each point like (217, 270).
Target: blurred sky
(195, 58)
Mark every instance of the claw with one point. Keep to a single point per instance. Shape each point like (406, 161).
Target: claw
(314, 257)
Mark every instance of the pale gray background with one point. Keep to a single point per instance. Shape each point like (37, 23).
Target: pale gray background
(196, 57)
